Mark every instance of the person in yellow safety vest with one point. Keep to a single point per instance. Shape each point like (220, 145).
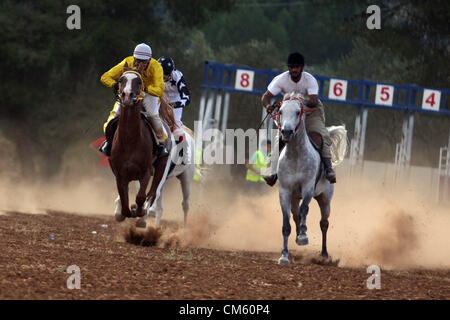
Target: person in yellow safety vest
(255, 167)
(198, 158)
(153, 86)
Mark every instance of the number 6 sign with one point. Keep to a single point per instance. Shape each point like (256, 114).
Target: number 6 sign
(338, 89)
(384, 94)
(431, 99)
(244, 80)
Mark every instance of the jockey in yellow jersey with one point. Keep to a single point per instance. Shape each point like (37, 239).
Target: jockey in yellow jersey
(153, 86)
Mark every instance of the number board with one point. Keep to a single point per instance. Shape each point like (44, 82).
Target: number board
(244, 80)
(384, 94)
(431, 99)
(338, 89)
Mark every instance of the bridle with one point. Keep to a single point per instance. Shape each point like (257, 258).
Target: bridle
(141, 92)
(276, 116)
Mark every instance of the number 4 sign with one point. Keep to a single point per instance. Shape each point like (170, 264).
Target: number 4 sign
(244, 80)
(338, 89)
(431, 99)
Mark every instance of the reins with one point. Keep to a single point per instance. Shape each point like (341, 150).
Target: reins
(276, 116)
(141, 93)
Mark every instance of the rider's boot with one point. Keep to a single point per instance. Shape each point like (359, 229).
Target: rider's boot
(329, 172)
(106, 148)
(161, 137)
(272, 179)
(161, 150)
(318, 142)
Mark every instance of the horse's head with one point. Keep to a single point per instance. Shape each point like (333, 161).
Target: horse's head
(130, 86)
(291, 116)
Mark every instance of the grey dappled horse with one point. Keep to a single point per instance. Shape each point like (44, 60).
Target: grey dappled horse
(300, 175)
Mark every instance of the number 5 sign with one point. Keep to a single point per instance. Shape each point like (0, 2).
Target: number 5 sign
(431, 99)
(244, 80)
(338, 89)
(384, 94)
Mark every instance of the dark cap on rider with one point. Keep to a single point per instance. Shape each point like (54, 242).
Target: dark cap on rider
(167, 64)
(296, 59)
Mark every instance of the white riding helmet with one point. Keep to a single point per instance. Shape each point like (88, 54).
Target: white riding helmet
(142, 52)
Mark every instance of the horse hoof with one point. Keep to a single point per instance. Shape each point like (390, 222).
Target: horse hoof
(302, 240)
(140, 212)
(283, 261)
(133, 211)
(141, 223)
(119, 217)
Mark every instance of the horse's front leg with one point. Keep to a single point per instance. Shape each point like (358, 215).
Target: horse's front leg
(118, 210)
(295, 213)
(122, 188)
(285, 201)
(302, 238)
(140, 197)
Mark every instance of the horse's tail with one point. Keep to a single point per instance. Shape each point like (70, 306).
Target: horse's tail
(338, 135)
(200, 169)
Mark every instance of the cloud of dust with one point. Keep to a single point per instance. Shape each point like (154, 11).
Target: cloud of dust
(369, 224)
(81, 187)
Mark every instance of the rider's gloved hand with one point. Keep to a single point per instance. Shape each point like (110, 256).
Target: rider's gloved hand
(272, 107)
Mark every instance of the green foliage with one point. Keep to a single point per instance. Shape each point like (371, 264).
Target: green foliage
(413, 32)
(51, 97)
(311, 27)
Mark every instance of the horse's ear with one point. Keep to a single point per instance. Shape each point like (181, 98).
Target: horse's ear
(126, 67)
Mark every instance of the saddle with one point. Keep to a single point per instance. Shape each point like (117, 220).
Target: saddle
(111, 128)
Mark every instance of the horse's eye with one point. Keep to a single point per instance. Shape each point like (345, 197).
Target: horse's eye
(281, 112)
(298, 112)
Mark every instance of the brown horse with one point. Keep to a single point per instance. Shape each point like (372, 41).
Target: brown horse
(132, 148)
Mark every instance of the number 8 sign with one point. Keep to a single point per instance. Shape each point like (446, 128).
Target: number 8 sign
(244, 80)
(338, 89)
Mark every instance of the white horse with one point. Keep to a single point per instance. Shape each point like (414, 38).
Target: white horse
(301, 174)
(184, 170)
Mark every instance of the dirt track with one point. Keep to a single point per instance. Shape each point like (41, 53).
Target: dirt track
(33, 266)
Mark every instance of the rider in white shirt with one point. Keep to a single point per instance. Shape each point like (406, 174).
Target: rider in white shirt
(304, 83)
(176, 90)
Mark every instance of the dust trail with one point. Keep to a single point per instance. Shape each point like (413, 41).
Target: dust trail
(370, 223)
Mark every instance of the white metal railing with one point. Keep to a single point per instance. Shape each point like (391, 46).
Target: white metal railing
(443, 181)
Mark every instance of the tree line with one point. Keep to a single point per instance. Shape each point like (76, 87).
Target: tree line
(51, 97)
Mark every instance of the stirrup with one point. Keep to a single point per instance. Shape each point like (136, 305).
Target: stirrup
(105, 148)
(271, 180)
(162, 151)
